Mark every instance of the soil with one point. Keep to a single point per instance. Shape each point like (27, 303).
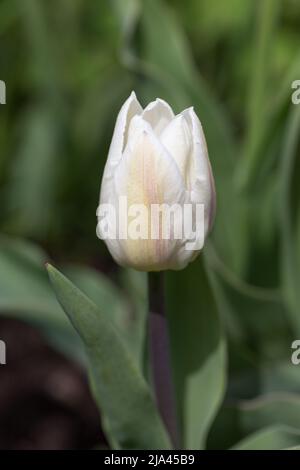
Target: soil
(45, 402)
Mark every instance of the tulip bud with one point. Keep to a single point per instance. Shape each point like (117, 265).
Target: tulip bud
(157, 181)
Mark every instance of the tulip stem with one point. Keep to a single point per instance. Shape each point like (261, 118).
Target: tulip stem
(159, 349)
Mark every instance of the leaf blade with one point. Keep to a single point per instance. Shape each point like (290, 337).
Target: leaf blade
(198, 351)
(120, 391)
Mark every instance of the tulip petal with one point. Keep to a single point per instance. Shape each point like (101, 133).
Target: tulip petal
(130, 108)
(148, 175)
(158, 113)
(177, 139)
(136, 126)
(203, 186)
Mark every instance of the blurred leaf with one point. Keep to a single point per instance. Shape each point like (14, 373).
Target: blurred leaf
(43, 67)
(122, 394)
(271, 438)
(280, 377)
(214, 20)
(7, 15)
(25, 294)
(289, 263)
(23, 282)
(248, 312)
(32, 186)
(198, 351)
(244, 417)
(93, 115)
(272, 409)
(267, 14)
(127, 13)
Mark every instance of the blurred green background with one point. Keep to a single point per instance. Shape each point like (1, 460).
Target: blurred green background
(68, 66)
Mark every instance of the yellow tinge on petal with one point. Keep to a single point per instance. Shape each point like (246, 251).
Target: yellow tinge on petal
(145, 186)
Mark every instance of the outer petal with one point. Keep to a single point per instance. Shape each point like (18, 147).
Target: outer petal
(148, 175)
(130, 108)
(177, 138)
(158, 113)
(203, 186)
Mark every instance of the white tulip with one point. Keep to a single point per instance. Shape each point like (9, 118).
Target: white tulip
(155, 158)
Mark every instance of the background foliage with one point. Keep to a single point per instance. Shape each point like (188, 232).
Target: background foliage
(68, 66)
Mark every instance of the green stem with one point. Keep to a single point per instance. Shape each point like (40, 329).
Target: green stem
(160, 356)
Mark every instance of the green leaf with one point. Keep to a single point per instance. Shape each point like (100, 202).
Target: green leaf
(271, 438)
(101, 99)
(250, 416)
(259, 87)
(280, 377)
(198, 351)
(134, 284)
(272, 409)
(126, 308)
(125, 401)
(289, 263)
(34, 172)
(251, 311)
(102, 292)
(24, 289)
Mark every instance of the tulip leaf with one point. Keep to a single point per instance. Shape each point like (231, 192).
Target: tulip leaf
(270, 438)
(198, 351)
(129, 414)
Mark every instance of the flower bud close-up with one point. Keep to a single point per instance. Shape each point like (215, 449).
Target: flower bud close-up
(156, 160)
